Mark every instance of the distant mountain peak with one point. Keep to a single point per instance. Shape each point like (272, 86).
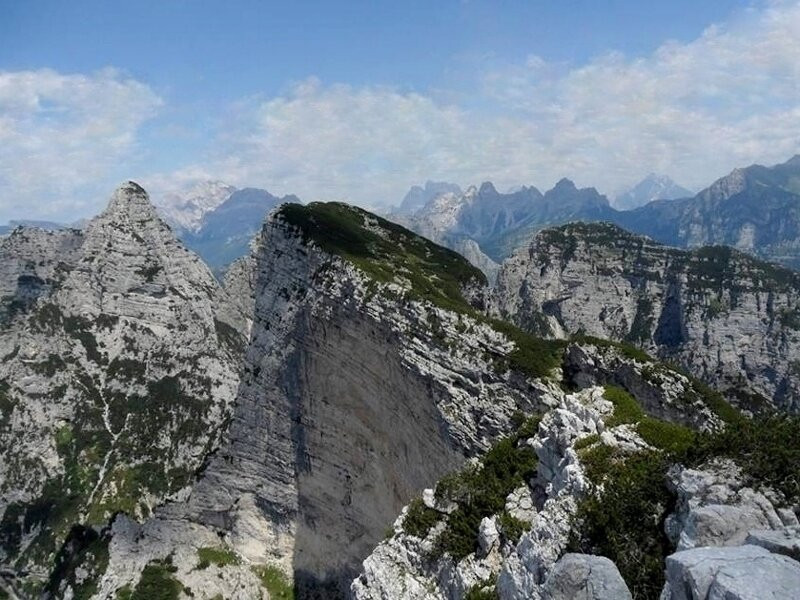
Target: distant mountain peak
(487, 187)
(653, 187)
(418, 196)
(564, 184)
(184, 208)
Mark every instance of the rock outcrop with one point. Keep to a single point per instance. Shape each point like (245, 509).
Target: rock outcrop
(120, 361)
(160, 432)
(585, 576)
(737, 573)
(729, 319)
(714, 508)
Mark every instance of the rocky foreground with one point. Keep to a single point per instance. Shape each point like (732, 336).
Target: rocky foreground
(345, 418)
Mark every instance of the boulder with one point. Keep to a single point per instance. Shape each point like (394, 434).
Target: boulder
(488, 536)
(784, 541)
(715, 508)
(586, 577)
(731, 573)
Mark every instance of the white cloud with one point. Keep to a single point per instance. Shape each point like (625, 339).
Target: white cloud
(694, 110)
(62, 134)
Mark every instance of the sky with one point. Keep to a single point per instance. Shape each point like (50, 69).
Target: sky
(358, 100)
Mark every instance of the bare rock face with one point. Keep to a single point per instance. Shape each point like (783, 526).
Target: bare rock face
(585, 576)
(729, 319)
(737, 573)
(714, 508)
(785, 540)
(120, 360)
(355, 395)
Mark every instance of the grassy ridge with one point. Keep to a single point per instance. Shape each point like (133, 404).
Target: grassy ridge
(386, 251)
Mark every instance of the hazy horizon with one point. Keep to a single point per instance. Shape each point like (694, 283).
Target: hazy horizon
(358, 103)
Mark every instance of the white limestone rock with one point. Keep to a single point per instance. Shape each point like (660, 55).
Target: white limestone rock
(587, 577)
(729, 320)
(784, 541)
(733, 573)
(715, 509)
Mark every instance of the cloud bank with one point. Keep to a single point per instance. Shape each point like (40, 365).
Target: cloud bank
(60, 134)
(693, 110)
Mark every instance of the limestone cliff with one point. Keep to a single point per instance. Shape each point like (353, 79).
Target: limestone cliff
(163, 435)
(729, 319)
(119, 364)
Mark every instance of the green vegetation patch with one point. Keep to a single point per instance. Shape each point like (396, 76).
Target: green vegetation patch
(511, 527)
(219, 556)
(157, 582)
(625, 521)
(587, 441)
(670, 437)
(84, 549)
(275, 582)
(673, 438)
(765, 448)
(536, 357)
(480, 491)
(384, 251)
(420, 519)
(486, 590)
(699, 391)
(626, 408)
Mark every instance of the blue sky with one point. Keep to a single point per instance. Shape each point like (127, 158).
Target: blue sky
(360, 100)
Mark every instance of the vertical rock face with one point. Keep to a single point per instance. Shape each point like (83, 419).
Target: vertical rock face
(367, 377)
(731, 320)
(160, 432)
(349, 405)
(119, 354)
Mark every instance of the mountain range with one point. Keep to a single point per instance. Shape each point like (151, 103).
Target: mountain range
(352, 412)
(755, 209)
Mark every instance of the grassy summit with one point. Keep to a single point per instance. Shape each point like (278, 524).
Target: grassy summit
(386, 251)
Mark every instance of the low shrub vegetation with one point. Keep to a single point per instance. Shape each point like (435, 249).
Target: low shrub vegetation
(157, 582)
(220, 557)
(419, 519)
(623, 518)
(275, 582)
(481, 491)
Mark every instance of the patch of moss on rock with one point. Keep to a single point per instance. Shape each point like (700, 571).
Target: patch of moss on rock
(275, 582)
(221, 557)
(157, 582)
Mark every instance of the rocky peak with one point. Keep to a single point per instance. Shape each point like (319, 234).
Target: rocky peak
(730, 185)
(717, 312)
(120, 364)
(653, 187)
(564, 185)
(487, 188)
(130, 201)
